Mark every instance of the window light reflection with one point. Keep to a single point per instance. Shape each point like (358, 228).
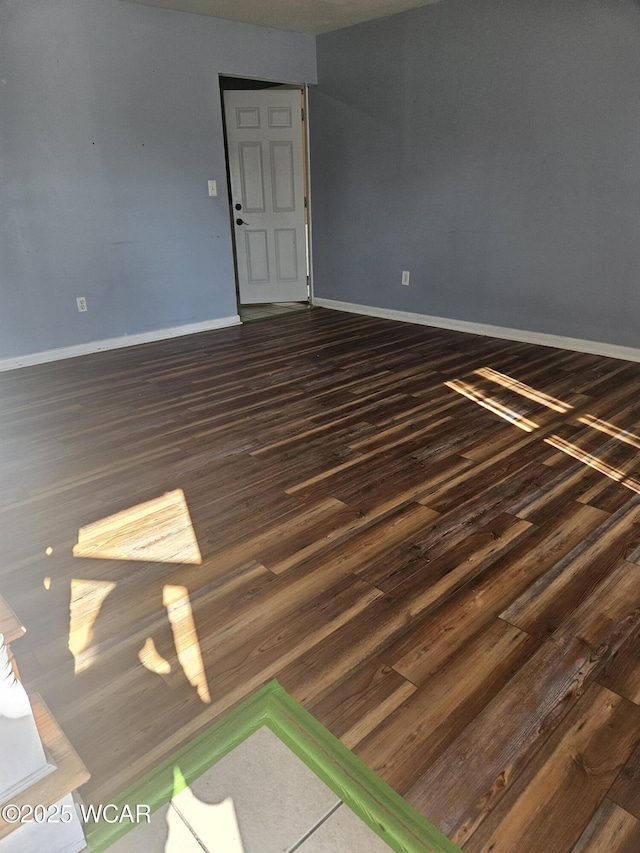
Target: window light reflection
(593, 462)
(523, 389)
(611, 429)
(492, 405)
(176, 600)
(555, 441)
(87, 597)
(157, 531)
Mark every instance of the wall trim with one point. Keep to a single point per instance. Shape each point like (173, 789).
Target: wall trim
(521, 335)
(116, 343)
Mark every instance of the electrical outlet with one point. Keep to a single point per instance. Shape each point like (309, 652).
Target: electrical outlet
(81, 302)
(405, 278)
(213, 188)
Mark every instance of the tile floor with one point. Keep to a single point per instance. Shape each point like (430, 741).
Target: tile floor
(260, 798)
(270, 309)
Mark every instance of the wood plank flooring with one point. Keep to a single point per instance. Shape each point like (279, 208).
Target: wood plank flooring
(431, 539)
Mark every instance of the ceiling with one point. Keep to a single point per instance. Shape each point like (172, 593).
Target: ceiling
(306, 16)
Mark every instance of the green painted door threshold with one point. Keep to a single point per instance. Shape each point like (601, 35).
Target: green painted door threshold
(290, 313)
(397, 823)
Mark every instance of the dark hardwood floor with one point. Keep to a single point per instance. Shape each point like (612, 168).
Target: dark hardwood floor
(431, 539)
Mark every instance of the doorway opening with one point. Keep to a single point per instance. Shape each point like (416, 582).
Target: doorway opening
(266, 146)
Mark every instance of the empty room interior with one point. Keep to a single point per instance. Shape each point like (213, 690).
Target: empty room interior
(320, 426)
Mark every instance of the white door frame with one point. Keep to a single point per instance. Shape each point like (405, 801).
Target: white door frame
(307, 178)
(304, 87)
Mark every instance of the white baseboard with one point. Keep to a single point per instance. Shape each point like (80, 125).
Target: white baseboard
(116, 343)
(521, 335)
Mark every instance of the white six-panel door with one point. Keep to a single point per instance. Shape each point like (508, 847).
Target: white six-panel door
(264, 138)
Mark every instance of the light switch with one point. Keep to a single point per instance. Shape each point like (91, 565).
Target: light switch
(213, 188)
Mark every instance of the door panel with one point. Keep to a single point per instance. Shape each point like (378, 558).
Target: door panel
(265, 143)
(282, 177)
(257, 256)
(252, 177)
(286, 254)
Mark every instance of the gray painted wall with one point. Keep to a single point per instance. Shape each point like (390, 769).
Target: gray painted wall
(492, 148)
(110, 126)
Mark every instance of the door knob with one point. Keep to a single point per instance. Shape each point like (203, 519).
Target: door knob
(241, 222)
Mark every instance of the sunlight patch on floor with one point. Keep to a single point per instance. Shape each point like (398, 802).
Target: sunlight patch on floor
(593, 462)
(492, 405)
(151, 659)
(156, 531)
(86, 600)
(176, 600)
(523, 389)
(219, 818)
(497, 408)
(611, 429)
